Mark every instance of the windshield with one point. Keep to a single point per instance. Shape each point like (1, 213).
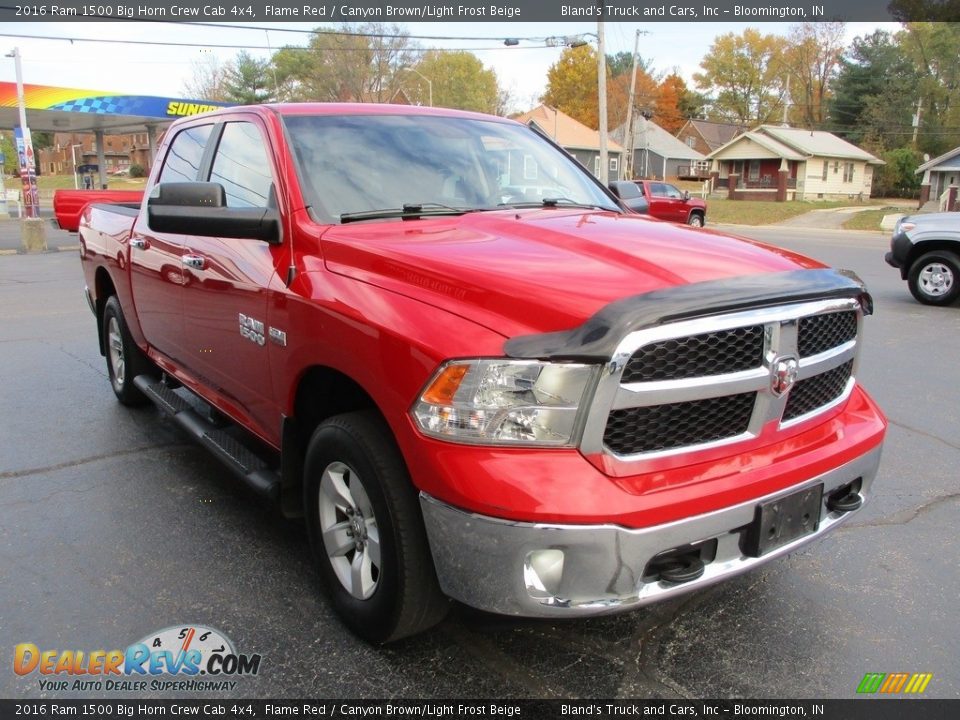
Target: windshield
(352, 164)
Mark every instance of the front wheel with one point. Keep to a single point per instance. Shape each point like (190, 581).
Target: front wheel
(696, 220)
(934, 278)
(366, 532)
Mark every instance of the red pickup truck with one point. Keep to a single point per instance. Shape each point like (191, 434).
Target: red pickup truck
(661, 200)
(537, 404)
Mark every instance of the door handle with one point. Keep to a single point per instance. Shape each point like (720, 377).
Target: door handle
(194, 261)
(139, 243)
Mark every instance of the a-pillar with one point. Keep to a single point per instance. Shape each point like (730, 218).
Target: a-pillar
(101, 159)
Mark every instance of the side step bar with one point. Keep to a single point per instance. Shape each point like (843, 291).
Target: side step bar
(245, 464)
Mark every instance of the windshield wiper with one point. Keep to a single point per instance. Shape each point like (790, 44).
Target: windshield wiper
(552, 202)
(409, 211)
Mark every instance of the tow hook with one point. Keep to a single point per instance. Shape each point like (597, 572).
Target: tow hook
(682, 569)
(681, 565)
(845, 498)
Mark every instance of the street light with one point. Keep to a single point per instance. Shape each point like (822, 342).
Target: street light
(429, 82)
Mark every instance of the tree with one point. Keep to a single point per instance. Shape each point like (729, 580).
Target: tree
(206, 80)
(248, 81)
(669, 114)
(748, 72)
(572, 85)
(932, 48)
(812, 57)
(458, 79)
(874, 92)
(354, 63)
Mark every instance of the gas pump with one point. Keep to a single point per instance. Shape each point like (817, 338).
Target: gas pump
(87, 174)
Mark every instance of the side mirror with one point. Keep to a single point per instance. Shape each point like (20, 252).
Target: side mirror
(686, 195)
(200, 208)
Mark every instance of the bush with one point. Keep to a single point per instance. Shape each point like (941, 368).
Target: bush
(897, 178)
(137, 171)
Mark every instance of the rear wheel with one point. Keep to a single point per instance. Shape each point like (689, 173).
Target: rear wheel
(366, 532)
(124, 359)
(934, 278)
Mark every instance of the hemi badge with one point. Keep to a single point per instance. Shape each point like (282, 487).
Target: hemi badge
(278, 336)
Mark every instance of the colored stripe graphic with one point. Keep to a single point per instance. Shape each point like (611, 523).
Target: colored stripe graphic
(893, 683)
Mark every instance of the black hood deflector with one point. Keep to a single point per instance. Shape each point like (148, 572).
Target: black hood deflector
(598, 337)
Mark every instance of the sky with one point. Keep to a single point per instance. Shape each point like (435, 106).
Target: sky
(163, 70)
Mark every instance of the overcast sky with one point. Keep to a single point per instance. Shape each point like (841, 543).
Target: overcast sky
(162, 70)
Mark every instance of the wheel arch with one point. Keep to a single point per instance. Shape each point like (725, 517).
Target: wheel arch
(923, 247)
(103, 288)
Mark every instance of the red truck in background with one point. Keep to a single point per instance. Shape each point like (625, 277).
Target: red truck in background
(68, 205)
(661, 200)
(528, 400)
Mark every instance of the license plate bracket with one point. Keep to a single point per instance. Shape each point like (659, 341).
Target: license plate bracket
(783, 520)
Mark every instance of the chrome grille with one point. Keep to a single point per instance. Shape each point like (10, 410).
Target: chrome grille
(817, 391)
(698, 384)
(715, 353)
(663, 427)
(823, 332)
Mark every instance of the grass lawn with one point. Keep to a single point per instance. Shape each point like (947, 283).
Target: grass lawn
(870, 219)
(761, 212)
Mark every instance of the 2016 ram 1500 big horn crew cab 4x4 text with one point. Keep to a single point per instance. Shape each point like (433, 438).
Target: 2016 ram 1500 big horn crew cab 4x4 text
(530, 401)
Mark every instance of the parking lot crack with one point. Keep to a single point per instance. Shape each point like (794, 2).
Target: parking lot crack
(905, 517)
(926, 434)
(14, 474)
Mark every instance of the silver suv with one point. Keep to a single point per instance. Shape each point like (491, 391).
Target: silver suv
(926, 250)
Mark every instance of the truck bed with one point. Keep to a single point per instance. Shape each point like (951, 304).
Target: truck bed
(68, 204)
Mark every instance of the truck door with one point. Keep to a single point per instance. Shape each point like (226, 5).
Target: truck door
(229, 281)
(669, 202)
(156, 266)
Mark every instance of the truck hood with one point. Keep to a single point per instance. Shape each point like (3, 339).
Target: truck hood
(534, 271)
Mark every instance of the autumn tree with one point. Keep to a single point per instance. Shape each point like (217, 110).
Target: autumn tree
(458, 81)
(747, 73)
(352, 63)
(572, 85)
(669, 114)
(812, 57)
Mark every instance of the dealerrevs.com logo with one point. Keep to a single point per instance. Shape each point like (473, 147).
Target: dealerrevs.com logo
(182, 658)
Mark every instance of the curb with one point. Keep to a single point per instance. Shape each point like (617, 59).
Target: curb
(48, 251)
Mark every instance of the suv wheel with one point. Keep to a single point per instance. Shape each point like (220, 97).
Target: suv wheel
(934, 278)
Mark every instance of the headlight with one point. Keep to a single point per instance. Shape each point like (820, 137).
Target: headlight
(505, 402)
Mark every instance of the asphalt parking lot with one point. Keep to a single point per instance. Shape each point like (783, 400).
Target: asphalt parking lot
(113, 526)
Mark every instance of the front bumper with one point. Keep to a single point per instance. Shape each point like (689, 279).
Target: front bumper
(499, 565)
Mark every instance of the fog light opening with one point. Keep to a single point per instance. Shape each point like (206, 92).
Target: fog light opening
(543, 572)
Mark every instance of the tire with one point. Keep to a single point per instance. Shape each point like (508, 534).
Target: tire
(124, 359)
(366, 531)
(696, 220)
(934, 278)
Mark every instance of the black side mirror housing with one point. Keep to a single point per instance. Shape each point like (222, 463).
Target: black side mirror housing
(200, 208)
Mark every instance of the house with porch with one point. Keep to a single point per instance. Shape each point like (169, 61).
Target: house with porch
(778, 163)
(941, 178)
(705, 136)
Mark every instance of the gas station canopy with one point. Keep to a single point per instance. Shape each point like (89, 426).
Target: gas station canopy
(58, 109)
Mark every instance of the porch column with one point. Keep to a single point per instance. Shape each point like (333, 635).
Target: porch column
(952, 205)
(782, 174)
(924, 189)
(152, 145)
(733, 180)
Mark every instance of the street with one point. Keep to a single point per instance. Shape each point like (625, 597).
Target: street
(114, 526)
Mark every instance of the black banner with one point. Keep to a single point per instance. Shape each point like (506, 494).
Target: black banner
(854, 709)
(402, 11)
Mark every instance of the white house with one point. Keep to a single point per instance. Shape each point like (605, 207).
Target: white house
(782, 163)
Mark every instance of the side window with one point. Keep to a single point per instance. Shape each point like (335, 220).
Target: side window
(183, 159)
(658, 190)
(242, 167)
(673, 193)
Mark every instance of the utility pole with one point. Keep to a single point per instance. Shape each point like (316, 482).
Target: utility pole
(628, 136)
(602, 85)
(786, 104)
(916, 121)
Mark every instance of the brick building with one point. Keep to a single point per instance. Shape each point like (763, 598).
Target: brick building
(120, 152)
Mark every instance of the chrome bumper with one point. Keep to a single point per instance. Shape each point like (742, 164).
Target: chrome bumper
(500, 566)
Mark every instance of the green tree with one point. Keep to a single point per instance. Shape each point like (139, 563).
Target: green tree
(457, 79)
(934, 51)
(873, 92)
(898, 177)
(359, 67)
(248, 81)
(747, 72)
